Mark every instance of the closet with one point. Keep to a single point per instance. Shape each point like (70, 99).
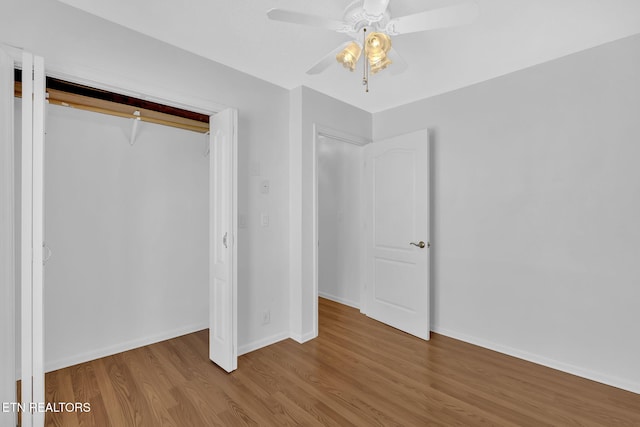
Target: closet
(149, 215)
(126, 234)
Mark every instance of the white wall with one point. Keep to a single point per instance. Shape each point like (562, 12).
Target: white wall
(73, 42)
(536, 200)
(128, 227)
(340, 220)
(309, 107)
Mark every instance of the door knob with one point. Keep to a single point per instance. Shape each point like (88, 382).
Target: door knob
(420, 244)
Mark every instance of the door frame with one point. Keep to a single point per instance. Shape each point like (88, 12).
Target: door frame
(328, 132)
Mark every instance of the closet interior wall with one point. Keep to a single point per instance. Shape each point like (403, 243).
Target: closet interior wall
(127, 225)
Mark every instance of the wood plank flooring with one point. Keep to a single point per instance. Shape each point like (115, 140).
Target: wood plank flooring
(357, 372)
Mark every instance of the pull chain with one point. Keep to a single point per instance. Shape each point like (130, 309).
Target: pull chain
(365, 76)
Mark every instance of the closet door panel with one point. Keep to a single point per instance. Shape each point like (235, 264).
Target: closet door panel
(223, 230)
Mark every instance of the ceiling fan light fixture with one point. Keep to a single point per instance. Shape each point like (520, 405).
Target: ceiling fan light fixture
(380, 65)
(377, 45)
(350, 55)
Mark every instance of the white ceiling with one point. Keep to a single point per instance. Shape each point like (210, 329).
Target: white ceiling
(508, 35)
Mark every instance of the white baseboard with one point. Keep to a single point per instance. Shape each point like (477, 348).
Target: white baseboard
(541, 360)
(339, 299)
(303, 338)
(54, 365)
(258, 344)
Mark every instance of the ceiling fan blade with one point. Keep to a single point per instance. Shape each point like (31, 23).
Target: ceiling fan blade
(305, 19)
(450, 16)
(374, 9)
(398, 64)
(327, 61)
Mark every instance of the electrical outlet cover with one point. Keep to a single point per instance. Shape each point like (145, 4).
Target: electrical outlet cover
(265, 186)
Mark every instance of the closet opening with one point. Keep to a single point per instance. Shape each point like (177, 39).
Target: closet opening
(126, 226)
(105, 310)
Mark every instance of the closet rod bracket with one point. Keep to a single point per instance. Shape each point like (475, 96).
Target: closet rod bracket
(134, 129)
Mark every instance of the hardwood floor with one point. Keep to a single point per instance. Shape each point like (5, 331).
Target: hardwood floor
(357, 372)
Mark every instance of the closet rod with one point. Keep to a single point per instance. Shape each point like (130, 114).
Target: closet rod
(185, 126)
(72, 95)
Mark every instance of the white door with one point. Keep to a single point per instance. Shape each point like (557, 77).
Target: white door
(32, 363)
(223, 202)
(397, 209)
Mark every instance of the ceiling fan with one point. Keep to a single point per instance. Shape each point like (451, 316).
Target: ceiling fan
(370, 25)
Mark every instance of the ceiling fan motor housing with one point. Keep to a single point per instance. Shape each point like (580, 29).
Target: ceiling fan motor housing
(357, 19)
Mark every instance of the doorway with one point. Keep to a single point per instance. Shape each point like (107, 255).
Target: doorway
(338, 265)
(371, 210)
(340, 224)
